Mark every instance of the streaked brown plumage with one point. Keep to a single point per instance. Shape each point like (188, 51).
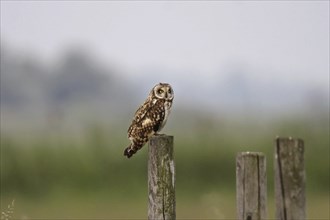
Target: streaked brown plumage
(150, 117)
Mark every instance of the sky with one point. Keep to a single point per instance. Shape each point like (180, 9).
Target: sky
(275, 40)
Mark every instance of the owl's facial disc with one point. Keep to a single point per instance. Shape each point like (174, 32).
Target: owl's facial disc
(163, 91)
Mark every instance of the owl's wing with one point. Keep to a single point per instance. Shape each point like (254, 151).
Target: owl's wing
(141, 113)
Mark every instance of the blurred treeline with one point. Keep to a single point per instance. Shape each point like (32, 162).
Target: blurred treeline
(63, 128)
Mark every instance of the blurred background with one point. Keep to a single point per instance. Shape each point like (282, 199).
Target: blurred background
(74, 72)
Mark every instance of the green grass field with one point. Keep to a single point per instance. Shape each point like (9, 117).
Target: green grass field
(106, 204)
(86, 176)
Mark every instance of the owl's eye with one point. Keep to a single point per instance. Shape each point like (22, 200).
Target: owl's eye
(160, 91)
(170, 91)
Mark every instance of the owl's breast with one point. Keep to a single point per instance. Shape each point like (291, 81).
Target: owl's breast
(167, 111)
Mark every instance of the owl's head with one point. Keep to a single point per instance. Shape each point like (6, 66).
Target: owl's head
(163, 91)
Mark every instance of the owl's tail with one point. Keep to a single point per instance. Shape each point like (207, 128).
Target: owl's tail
(130, 150)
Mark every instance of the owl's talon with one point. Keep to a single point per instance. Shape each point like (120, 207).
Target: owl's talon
(157, 134)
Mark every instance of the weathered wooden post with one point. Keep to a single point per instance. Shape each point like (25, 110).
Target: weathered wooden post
(161, 178)
(251, 186)
(289, 179)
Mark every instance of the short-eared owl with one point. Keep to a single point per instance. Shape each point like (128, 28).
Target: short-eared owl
(150, 117)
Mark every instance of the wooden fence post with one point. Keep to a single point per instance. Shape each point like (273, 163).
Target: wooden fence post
(161, 178)
(251, 186)
(289, 179)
